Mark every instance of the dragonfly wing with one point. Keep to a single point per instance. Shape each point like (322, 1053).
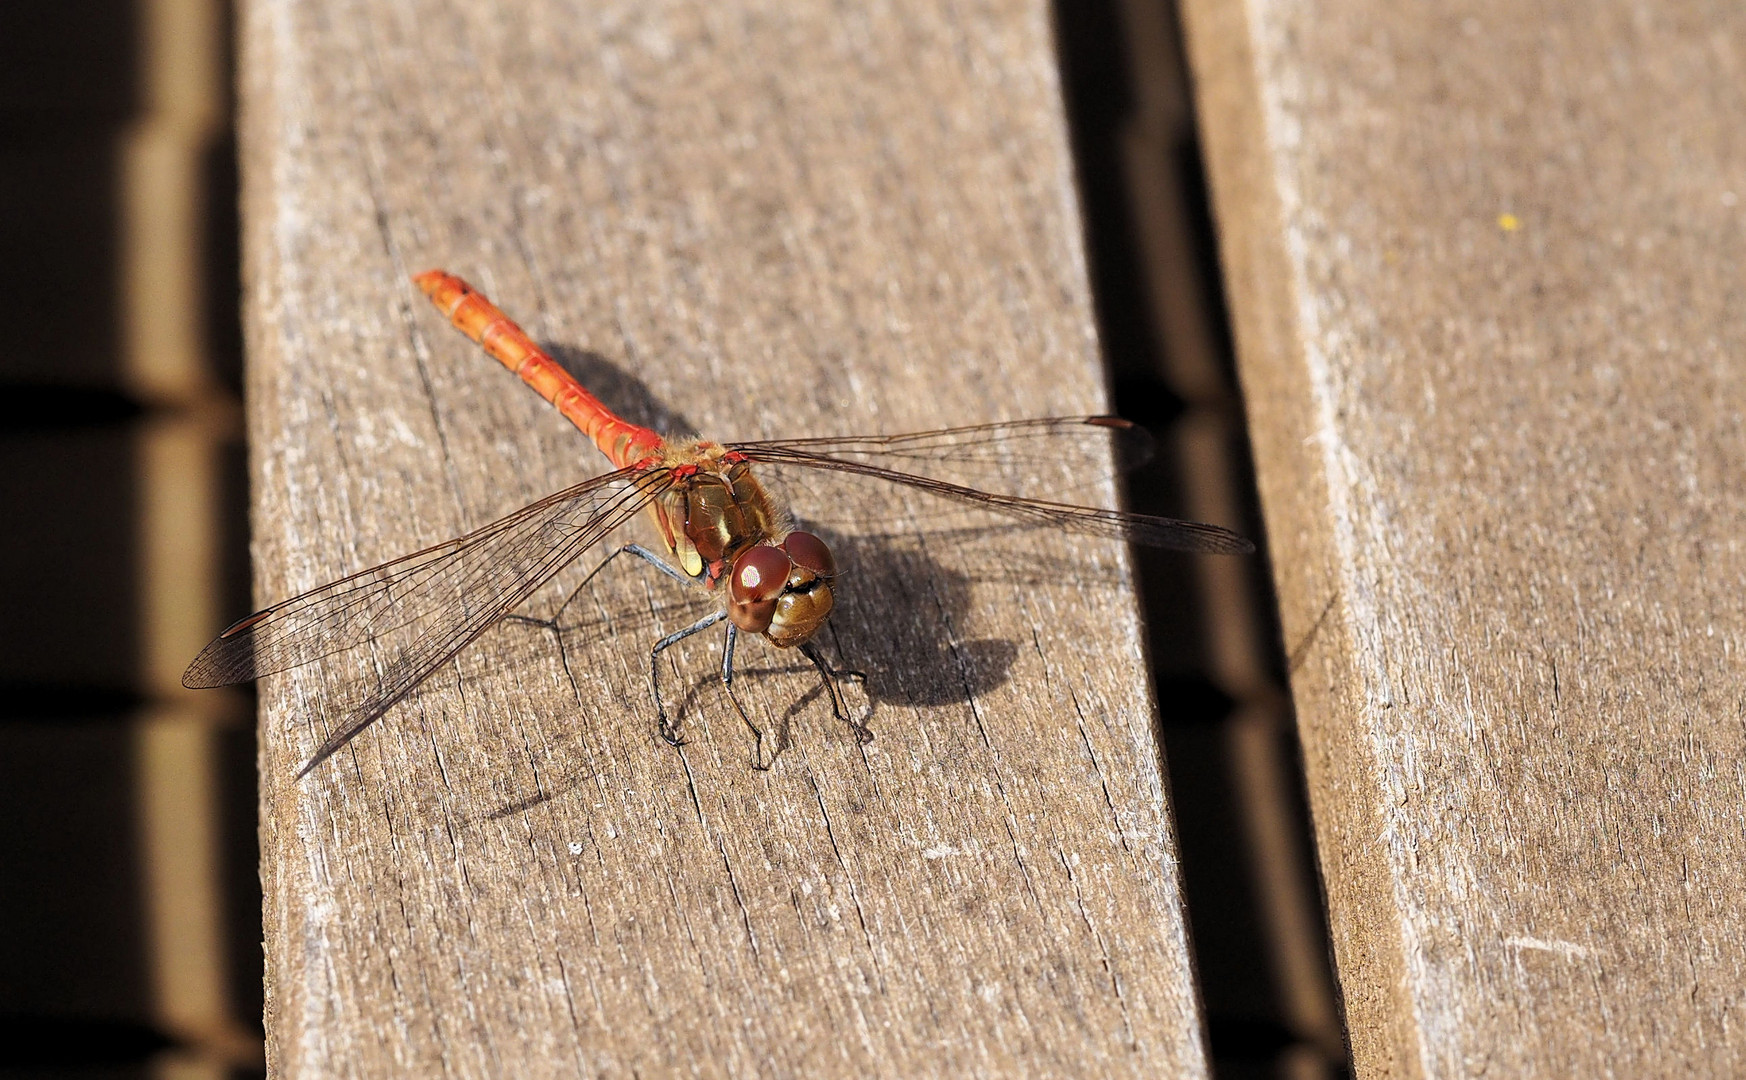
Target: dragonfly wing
(418, 611)
(987, 443)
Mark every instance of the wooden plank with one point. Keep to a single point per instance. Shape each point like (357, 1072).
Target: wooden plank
(1484, 264)
(752, 219)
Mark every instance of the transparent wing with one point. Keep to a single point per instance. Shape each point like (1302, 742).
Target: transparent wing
(983, 448)
(950, 450)
(418, 611)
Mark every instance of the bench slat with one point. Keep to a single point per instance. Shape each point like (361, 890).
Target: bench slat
(1484, 266)
(749, 220)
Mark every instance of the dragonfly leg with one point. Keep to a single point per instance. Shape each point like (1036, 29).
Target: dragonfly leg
(727, 679)
(638, 550)
(863, 735)
(670, 731)
(647, 556)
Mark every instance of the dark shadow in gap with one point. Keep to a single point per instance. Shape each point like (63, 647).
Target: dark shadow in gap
(1244, 1000)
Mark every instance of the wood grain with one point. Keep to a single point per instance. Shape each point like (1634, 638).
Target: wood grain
(1485, 270)
(747, 219)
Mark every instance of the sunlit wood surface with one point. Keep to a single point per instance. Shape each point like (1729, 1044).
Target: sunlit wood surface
(1484, 262)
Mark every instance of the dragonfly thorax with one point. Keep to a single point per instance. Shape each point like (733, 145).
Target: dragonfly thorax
(717, 520)
(714, 510)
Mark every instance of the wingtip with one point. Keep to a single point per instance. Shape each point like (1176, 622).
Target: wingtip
(198, 675)
(322, 753)
(1233, 544)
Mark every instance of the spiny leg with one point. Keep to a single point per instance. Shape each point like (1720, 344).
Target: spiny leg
(727, 679)
(670, 732)
(638, 550)
(863, 735)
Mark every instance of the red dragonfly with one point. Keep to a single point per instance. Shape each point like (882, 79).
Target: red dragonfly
(717, 522)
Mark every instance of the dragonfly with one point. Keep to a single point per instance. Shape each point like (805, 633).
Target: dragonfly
(720, 527)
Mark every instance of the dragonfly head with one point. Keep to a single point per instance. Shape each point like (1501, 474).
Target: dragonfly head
(782, 592)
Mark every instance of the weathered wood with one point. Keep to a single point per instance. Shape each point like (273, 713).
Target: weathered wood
(1485, 268)
(762, 219)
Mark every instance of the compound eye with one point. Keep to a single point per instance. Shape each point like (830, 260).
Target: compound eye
(759, 574)
(810, 553)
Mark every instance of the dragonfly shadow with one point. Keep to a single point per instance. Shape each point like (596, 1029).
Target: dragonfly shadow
(901, 611)
(897, 612)
(621, 391)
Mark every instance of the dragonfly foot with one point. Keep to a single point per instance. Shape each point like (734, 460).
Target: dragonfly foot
(758, 762)
(670, 733)
(832, 678)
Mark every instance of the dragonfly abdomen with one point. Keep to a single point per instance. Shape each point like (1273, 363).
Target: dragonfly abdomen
(623, 442)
